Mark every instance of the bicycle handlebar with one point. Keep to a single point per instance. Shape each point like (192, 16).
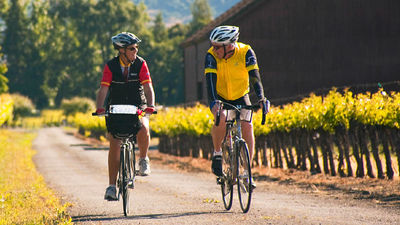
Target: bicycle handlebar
(225, 105)
(107, 113)
(96, 114)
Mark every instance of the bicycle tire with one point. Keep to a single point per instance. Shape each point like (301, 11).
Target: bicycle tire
(132, 165)
(125, 180)
(227, 179)
(244, 175)
(120, 178)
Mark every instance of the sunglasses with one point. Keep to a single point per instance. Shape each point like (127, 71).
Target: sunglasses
(133, 48)
(217, 47)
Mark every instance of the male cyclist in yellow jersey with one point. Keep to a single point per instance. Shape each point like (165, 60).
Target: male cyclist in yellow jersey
(230, 67)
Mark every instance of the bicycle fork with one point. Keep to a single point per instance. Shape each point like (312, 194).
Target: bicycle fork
(131, 166)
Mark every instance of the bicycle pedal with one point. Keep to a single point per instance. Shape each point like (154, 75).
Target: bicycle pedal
(131, 184)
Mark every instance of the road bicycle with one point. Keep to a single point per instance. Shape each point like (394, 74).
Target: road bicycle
(124, 117)
(236, 165)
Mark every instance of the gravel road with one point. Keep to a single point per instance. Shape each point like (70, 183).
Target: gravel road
(78, 172)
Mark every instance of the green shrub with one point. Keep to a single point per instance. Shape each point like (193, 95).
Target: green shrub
(77, 104)
(23, 106)
(6, 109)
(3, 83)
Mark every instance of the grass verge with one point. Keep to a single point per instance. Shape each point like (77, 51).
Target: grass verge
(24, 196)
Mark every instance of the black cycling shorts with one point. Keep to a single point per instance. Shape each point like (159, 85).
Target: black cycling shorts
(245, 114)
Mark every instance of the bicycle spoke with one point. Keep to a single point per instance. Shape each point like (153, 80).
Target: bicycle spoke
(227, 179)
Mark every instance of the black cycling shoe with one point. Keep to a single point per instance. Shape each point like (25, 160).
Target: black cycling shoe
(216, 165)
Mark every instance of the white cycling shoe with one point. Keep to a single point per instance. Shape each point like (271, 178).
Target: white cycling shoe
(144, 167)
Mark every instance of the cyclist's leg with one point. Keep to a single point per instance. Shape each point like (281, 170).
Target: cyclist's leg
(113, 167)
(218, 132)
(248, 136)
(246, 117)
(113, 159)
(143, 142)
(143, 137)
(247, 130)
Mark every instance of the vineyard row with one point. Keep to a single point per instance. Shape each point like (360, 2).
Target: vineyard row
(352, 135)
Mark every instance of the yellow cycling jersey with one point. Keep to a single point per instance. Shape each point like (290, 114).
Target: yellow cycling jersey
(232, 73)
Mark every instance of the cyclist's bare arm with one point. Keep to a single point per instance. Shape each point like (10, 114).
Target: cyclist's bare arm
(101, 96)
(149, 93)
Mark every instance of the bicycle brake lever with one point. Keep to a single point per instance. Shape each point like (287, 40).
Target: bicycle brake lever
(218, 118)
(218, 115)
(263, 119)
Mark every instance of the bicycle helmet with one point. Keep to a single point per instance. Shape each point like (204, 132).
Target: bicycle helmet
(124, 39)
(224, 34)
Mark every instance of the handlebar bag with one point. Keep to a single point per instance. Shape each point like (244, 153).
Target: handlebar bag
(123, 125)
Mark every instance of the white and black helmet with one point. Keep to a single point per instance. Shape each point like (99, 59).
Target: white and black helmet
(124, 39)
(224, 34)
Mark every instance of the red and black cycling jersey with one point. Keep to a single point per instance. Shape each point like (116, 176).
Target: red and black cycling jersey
(144, 74)
(126, 90)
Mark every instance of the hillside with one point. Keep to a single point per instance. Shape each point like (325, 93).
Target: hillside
(175, 11)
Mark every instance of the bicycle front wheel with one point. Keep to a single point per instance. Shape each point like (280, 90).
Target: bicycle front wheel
(227, 179)
(125, 161)
(244, 175)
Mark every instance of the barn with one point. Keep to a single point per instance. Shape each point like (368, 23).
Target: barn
(305, 46)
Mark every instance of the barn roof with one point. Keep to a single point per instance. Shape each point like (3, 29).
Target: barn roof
(242, 5)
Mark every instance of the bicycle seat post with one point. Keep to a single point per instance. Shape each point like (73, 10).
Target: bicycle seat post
(238, 124)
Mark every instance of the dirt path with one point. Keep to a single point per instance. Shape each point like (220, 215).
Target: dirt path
(78, 172)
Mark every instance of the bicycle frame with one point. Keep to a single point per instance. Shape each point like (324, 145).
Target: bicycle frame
(127, 147)
(127, 172)
(233, 136)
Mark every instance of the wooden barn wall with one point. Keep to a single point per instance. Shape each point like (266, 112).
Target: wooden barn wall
(190, 73)
(307, 46)
(204, 46)
(312, 45)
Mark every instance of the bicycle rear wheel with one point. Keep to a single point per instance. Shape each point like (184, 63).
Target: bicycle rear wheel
(227, 180)
(244, 176)
(125, 161)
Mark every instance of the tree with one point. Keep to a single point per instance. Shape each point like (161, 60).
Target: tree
(113, 17)
(3, 79)
(82, 40)
(160, 32)
(80, 53)
(202, 15)
(3, 7)
(21, 55)
(15, 43)
(56, 49)
(42, 33)
(166, 62)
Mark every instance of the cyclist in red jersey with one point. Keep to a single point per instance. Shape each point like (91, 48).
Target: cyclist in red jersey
(126, 80)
